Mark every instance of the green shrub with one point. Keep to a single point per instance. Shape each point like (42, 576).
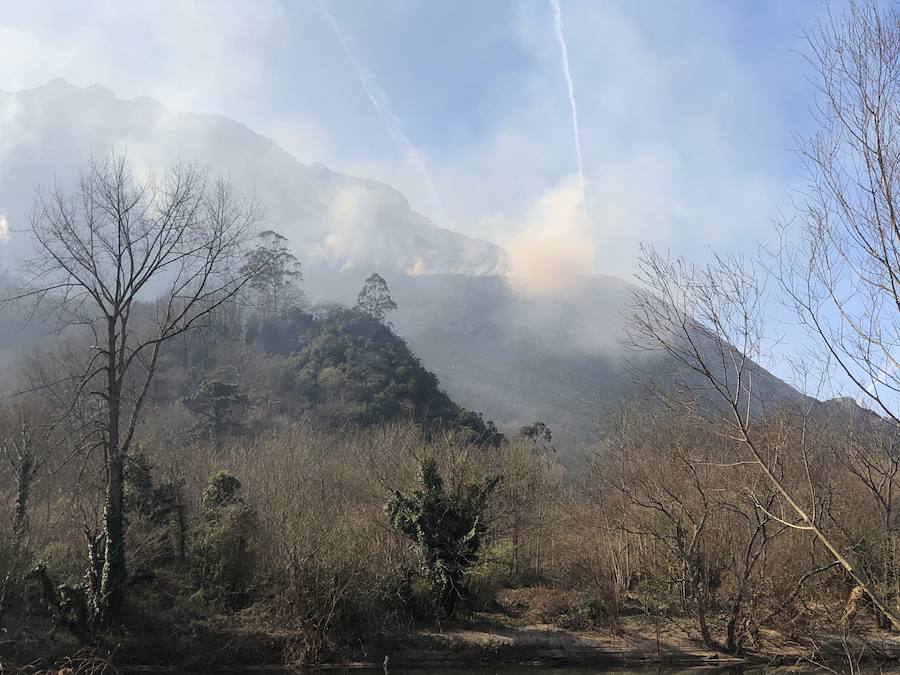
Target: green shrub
(221, 554)
(445, 529)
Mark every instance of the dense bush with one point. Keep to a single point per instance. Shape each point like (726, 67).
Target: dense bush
(446, 530)
(221, 555)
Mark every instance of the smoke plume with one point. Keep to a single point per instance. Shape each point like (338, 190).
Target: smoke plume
(552, 249)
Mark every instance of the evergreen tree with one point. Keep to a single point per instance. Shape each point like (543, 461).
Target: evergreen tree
(539, 434)
(446, 531)
(277, 284)
(219, 406)
(375, 298)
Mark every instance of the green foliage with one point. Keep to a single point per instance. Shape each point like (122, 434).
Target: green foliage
(446, 531)
(221, 554)
(159, 509)
(74, 612)
(353, 358)
(223, 490)
(281, 334)
(350, 369)
(375, 298)
(477, 430)
(220, 407)
(156, 503)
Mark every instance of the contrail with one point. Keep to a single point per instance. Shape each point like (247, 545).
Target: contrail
(382, 106)
(564, 59)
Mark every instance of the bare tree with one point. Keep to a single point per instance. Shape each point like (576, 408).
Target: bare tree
(134, 263)
(709, 320)
(673, 489)
(839, 264)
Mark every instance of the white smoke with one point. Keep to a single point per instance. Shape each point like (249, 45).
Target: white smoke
(382, 106)
(552, 249)
(567, 74)
(4, 228)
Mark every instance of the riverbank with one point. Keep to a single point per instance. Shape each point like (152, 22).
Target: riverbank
(637, 641)
(512, 634)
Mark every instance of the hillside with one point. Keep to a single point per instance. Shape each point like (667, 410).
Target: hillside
(336, 369)
(518, 358)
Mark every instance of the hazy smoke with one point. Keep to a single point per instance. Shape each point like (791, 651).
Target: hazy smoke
(382, 106)
(567, 74)
(350, 221)
(553, 248)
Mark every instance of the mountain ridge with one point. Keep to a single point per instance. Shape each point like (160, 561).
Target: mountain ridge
(515, 356)
(153, 134)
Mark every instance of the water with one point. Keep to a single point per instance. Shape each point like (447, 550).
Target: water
(528, 670)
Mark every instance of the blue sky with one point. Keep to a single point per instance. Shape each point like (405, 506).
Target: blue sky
(687, 109)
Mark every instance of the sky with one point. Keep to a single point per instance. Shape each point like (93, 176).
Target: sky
(687, 110)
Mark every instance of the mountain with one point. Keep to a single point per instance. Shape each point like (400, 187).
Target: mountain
(515, 357)
(333, 220)
(558, 359)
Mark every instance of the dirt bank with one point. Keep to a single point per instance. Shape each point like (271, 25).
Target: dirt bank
(636, 641)
(526, 627)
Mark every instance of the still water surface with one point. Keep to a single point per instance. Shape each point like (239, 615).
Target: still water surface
(525, 670)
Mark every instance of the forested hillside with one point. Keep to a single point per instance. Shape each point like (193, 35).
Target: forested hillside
(334, 366)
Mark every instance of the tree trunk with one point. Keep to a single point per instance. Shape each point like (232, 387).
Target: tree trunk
(700, 608)
(112, 582)
(731, 645)
(25, 474)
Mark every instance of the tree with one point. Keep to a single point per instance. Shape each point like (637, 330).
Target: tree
(220, 406)
(276, 283)
(838, 266)
(709, 321)
(479, 431)
(446, 530)
(375, 298)
(26, 448)
(135, 264)
(539, 435)
(839, 263)
(670, 481)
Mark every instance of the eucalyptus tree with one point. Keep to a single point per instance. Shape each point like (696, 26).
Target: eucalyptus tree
(277, 273)
(375, 298)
